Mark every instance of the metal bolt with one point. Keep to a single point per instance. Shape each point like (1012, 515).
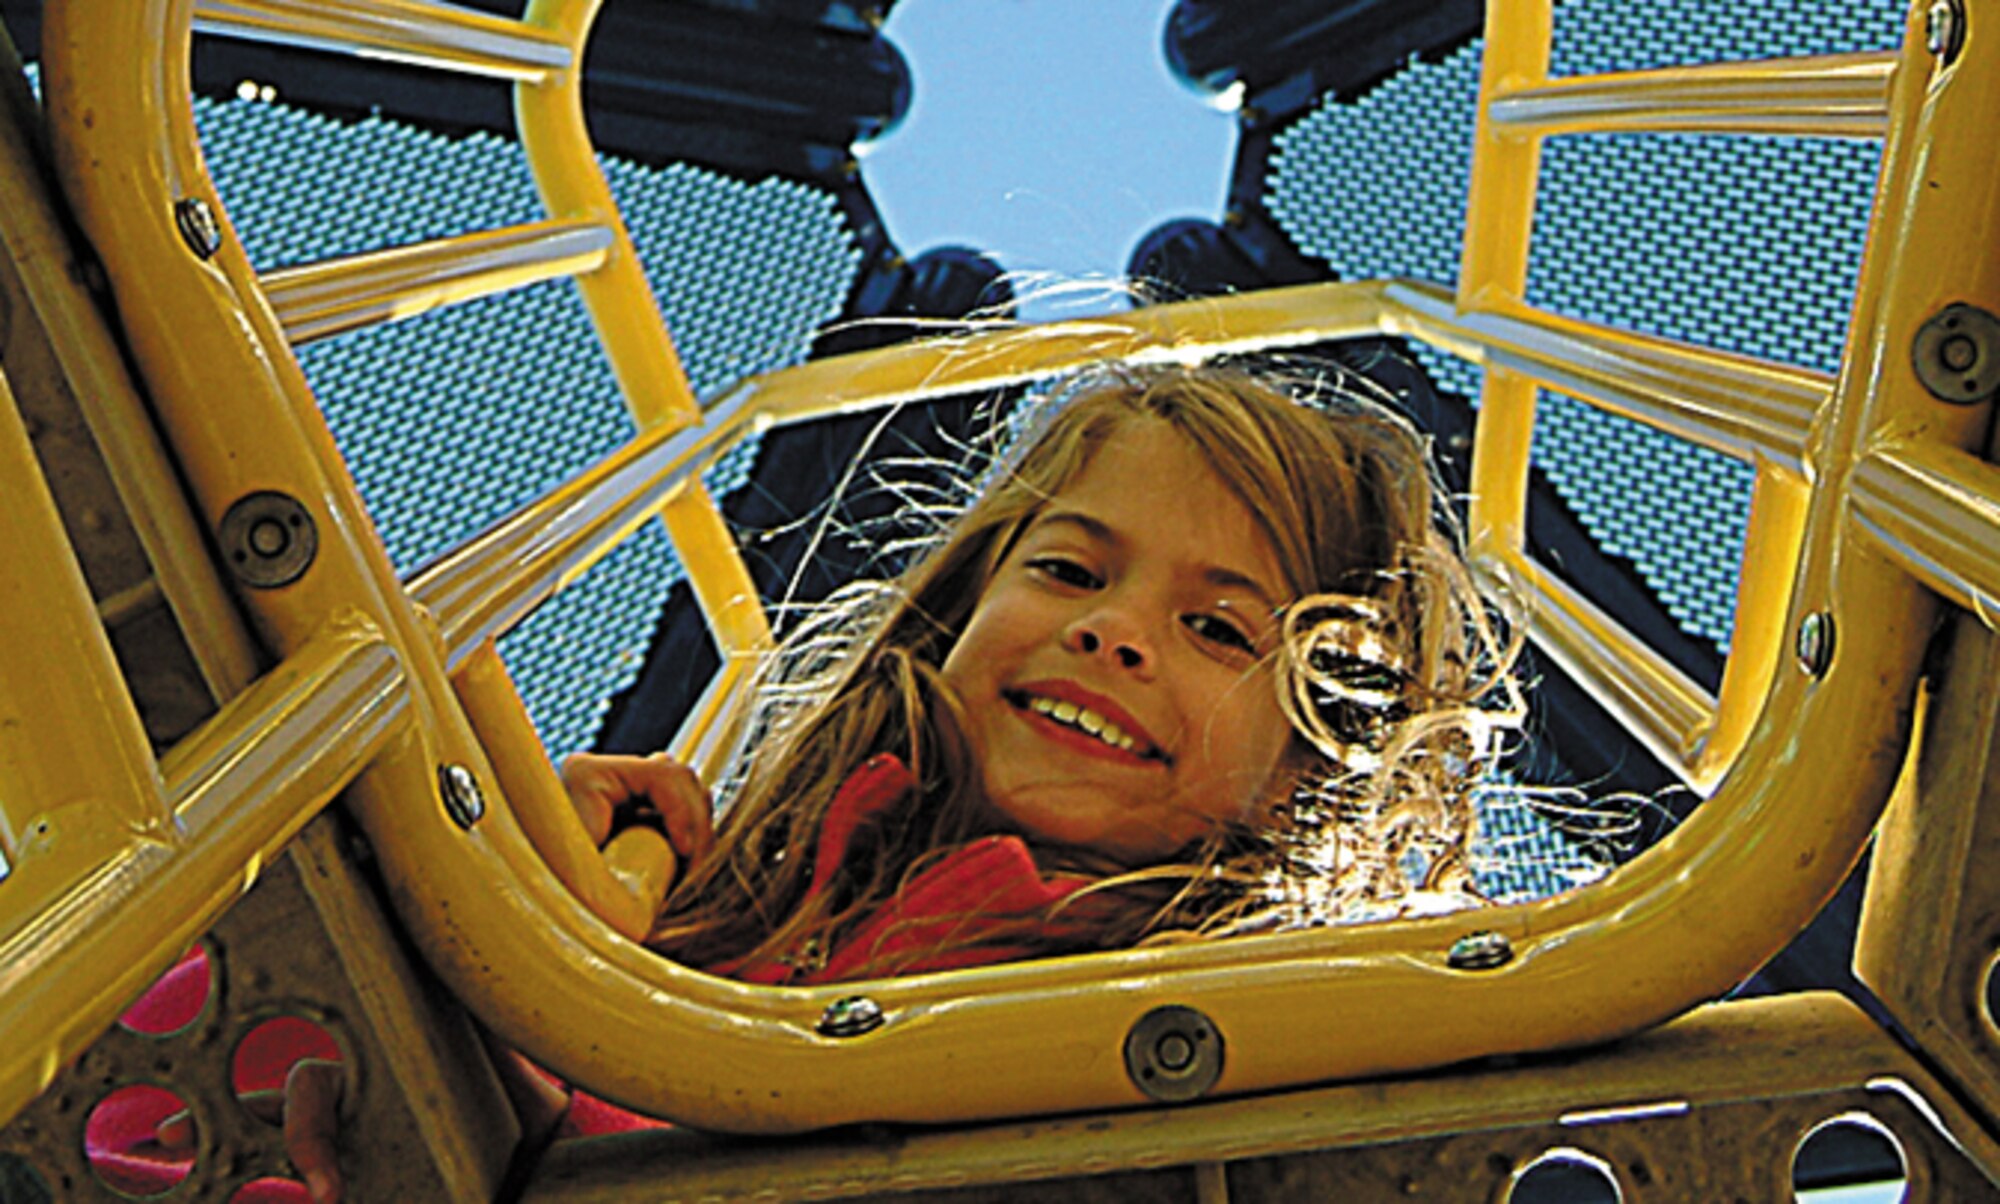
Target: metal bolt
(1944, 28)
(850, 1017)
(460, 791)
(1480, 951)
(198, 226)
(1956, 354)
(269, 538)
(1174, 1054)
(1815, 643)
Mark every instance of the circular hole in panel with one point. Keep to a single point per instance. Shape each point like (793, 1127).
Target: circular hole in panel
(21, 1183)
(1564, 1176)
(122, 1139)
(173, 1003)
(1848, 1159)
(271, 1190)
(267, 1053)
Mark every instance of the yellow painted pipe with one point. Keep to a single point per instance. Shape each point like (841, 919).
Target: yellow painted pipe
(1824, 96)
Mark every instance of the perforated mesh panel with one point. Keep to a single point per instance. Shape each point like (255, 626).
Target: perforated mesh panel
(1746, 244)
(451, 420)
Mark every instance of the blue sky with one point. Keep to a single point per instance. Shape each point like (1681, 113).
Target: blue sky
(1047, 133)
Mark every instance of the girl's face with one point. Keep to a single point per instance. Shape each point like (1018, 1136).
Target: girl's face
(1117, 672)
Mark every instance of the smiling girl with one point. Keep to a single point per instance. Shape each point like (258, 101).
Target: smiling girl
(1198, 659)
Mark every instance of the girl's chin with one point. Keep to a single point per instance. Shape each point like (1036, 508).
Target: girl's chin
(1049, 818)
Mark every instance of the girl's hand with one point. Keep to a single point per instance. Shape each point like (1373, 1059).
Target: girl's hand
(598, 785)
(309, 1110)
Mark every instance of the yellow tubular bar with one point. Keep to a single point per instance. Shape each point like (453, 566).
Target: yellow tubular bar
(1936, 510)
(1679, 925)
(322, 299)
(1655, 701)
(1833, 96)
(1737, 405)
(422, 32)
(78, 785)
(240, 787)
(538, 800)
(1493, 268)
(1760, 641)
(628, 324)
(34, 233)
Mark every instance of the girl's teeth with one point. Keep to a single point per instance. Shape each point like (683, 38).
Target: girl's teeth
(1086, 719)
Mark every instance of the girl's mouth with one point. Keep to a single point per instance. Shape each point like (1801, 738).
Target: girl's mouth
(1084, 728)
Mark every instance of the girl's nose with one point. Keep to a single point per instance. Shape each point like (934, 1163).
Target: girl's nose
(1100, 634)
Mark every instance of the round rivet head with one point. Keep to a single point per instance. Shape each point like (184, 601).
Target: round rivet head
(850, 1017)
(1957, 354)
(269, 540)
(460, 792)
(1174, 1054)
(1480, 951)
(199, 228)
(1815, 644)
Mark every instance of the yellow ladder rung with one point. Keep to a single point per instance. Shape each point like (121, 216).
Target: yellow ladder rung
(1652, 698)
(1826, 96)
(482, 588)
(1936, 510)
(427, 33)
(315, 301)
(1734, 404)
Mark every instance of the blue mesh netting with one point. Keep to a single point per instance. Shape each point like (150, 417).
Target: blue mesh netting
(1747, 244)
(452, 420)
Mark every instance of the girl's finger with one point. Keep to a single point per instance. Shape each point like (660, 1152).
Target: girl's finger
(593, 790)
(683, 803)
(312, 1121)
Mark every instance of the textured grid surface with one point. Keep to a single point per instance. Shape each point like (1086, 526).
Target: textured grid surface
(1747, 244)
(452, 420)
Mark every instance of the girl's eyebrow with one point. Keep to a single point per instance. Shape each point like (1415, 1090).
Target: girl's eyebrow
(1214, 574)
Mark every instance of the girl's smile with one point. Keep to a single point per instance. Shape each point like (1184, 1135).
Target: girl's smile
(1115, 672)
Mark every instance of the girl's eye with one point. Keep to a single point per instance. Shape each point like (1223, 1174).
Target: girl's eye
(1221, 631)
(1068, 572)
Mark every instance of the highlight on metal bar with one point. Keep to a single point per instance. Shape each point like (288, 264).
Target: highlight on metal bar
(1665, 709)
(315, 301)
(1733, 404)
(425, 33)
(1829, 96)
(1936, 510)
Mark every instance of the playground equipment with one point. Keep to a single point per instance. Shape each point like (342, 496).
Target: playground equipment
(1874, 528)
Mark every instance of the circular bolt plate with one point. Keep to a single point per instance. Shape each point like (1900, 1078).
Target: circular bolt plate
(269, 540)
(1957, 354)
(1174, 1054)
(1480, 951)
(850, 1017)
(198, 227)
(460, 792)
(1815, 643)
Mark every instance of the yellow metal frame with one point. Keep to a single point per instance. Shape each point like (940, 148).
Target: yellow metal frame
(1853, 474)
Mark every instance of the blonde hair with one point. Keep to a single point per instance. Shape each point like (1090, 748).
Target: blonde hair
(1385, 750)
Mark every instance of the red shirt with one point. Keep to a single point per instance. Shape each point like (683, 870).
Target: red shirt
(945, 918)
